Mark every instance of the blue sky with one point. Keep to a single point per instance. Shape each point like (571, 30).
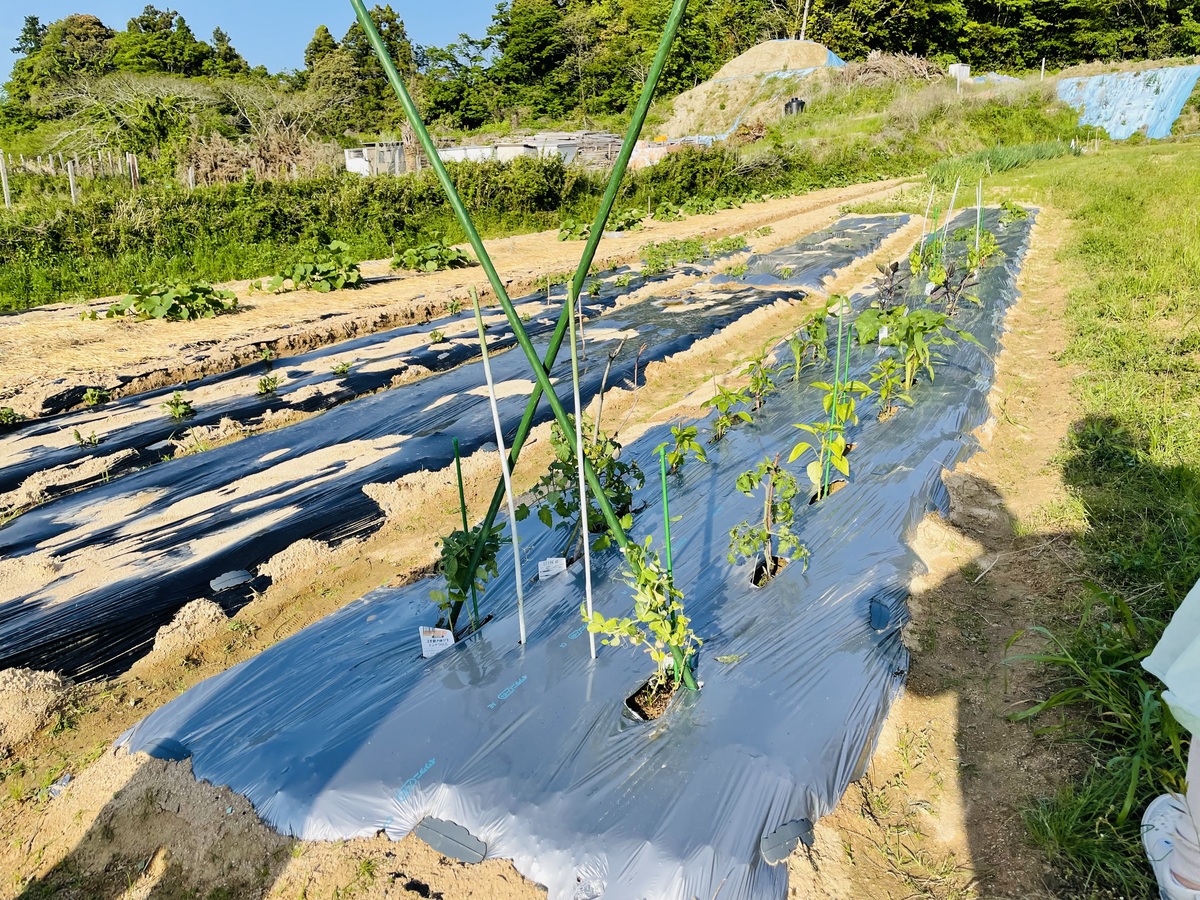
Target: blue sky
(272, 33)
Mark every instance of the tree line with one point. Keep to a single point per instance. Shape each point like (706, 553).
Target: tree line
(565, 60)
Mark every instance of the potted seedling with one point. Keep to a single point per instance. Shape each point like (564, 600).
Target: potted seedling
(658, 624)
(770, 541)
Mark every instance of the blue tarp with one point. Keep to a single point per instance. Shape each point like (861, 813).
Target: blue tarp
(1124, 103)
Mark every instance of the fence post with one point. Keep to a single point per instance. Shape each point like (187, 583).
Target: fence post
(191, 178)
(71, 182)
(4, 183)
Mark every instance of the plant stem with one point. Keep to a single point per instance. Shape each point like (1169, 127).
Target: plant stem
(767, 520)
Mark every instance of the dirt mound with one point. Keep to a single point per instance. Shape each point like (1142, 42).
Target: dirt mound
(28, 702)
(192, 624)
(304, 555)
(748, 90)
(775, 56)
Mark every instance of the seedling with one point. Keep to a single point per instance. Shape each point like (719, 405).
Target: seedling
(761, 385)
(436, 337)
(178, 408)
(623, 280)
(772, 538)
(173, 302)
(10, 418)
(267, 355)
(593, 288)
(949, 286)
(785, 272)
(726, 417)
(268, 384)
(736, 271)
(659, 624)
(808, 344)
(455, 564)
(556, 495)
(341, 369)
(887, 376)
(94, 396)
(927, 254)
(666, 211)
(988, 247)
(90, 441)
(433, 255)
(454, 307)
(889, 286)
(831, 449)
(685, 443)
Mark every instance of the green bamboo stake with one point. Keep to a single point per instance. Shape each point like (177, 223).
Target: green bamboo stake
(662, 458)
(462, 505)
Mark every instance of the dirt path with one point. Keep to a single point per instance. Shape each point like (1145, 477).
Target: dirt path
(48, 355)
(938, 815)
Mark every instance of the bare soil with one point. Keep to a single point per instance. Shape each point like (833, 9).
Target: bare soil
(937, 815)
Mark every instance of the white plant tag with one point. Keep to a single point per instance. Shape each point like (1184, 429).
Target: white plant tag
(548, 568)
(883, 333)
(435, 640)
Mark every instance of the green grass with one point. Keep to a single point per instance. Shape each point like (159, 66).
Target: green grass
(1132, 463)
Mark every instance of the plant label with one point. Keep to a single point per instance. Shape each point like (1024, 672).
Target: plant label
(435, 640)
(883, 333)
(548, 568)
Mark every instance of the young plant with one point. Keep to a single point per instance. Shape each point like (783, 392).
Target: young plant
(455, 564)
(951, 286)
(90, 441)
(808, 344)
(625, 220)
(556, 495)
(736, 271)
(1010, 212)
(454, 307)
(178, 408)
(623, 280)
(887, 377)
(988, 247)
(928, 254)
(889, 286)
(914, 333)
(761, 384)
(94, 396)
(772, 538)
(9, 417)
(726, 417)
(341, 369)
(685, 443)
(659, 623)
(831, 449)
(436, 337)
(331, 269)
(268, 384)
(433, 255)
(173, 302)
(593, 288)
(666, 211)
(785, 272)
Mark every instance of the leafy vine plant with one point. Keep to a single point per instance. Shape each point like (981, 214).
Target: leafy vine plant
(831, 448)
(769, 539)
(659, 623)
(556, 495)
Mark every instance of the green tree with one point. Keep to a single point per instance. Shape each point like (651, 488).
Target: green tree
(29, 41)
(321, 45)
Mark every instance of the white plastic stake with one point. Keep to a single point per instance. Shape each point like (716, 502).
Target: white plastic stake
(978, 214)
(925, 220)
(4, 183)
(1043, 68)
(583, 500)
(504, 468)
(71, 181)
(949, 216)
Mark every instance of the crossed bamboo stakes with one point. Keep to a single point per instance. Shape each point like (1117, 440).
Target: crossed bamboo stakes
(541, 368)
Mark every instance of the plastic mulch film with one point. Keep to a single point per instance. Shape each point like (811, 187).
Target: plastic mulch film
(1125, 103)
(109, 565)
(528, 747)
(809, 261)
